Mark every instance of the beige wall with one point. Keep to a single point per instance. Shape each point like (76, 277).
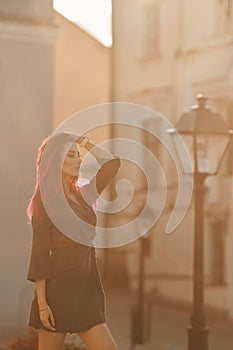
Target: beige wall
(35, 97)
(28, 10)
(26, 103)
(40, 88)
(82, 71)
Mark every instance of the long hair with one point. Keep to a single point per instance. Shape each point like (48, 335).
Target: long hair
(35, 201)
(56, 146)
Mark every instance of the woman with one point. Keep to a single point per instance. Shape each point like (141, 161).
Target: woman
(68, 295)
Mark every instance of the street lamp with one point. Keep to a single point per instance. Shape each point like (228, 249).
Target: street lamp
(208, 139)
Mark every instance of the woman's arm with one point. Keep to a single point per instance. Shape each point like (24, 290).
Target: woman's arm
(40, 264)
(109, 167)
(40, 292)
(99, 153)
(46, 314)
(39, 267)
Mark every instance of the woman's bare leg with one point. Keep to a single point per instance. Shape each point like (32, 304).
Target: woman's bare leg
(48, 340)
(98, 337)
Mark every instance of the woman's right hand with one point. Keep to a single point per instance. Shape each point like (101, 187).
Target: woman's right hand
(46, 315)
(47, 318)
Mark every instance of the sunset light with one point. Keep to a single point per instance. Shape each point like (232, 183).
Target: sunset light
(95, 17)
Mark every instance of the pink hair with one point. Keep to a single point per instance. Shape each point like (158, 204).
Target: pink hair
(36, 197)
(35, 204)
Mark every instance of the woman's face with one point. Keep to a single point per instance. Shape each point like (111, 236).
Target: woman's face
(72, 161)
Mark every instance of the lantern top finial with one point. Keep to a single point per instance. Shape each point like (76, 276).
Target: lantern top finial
(201, 99)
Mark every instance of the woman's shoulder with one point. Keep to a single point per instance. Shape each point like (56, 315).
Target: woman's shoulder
(39, 213)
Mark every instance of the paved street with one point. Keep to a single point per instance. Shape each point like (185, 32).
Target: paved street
(168, 325)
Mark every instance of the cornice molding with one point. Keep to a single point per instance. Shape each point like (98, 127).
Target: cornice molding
(160, 92)
(212, 43)
(218, 87)
(26, 31)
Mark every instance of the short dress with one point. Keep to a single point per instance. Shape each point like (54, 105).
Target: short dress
(73, 287)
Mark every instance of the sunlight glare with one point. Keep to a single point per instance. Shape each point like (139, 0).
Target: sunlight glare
(95, 17)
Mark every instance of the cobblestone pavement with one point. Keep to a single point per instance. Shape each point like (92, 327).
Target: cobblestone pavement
(169, 325)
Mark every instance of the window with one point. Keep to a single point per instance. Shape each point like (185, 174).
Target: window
(151, 25)
(218, 254)
(224, 16)
(229, 155)
(217, 220)
(152, 144)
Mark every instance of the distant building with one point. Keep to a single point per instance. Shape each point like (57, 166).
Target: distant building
(49, 70)
(165, 52)
(27, 36)
(81, 70)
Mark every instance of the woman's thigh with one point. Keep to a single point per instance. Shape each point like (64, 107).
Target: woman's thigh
(98, 337)
(48, 340)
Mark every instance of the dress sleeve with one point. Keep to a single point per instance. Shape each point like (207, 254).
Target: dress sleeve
(39, 266)
(105, 174)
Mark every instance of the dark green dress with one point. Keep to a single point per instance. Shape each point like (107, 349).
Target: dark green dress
(73, 289)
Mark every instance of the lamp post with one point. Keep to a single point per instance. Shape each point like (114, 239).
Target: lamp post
(208, 138)
(141, 312)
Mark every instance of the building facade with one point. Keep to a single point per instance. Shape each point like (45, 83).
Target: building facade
(27, 36)
(81, 71)
(166, 52)
(49, 70)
